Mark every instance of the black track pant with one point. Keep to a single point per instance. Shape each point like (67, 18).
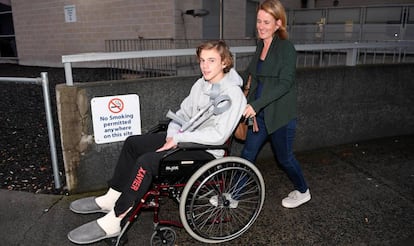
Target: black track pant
(138, 163)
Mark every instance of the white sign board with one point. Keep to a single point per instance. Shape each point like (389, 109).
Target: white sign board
(115, 118)
(70, 13)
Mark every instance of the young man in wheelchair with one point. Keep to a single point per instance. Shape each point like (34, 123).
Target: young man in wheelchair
(139, 159)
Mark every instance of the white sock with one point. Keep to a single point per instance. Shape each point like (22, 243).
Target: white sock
(110, 223)
(107, 201)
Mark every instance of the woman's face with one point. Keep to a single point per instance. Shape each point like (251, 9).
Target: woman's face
(266, 25)
(211, 65)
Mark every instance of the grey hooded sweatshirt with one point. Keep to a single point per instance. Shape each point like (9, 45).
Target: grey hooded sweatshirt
(218, 128)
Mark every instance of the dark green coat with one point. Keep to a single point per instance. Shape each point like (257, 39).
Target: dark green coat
(279, 94)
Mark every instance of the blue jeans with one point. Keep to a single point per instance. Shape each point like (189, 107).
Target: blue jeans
(282, 146)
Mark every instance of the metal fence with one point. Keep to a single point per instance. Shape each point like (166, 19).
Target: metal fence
(351, 54)
(181, 62)
(352, 24)
(44, 82)
(392, 23)
(165, 66)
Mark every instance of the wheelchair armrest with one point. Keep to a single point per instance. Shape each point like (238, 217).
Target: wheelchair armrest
(189, 145)
(162, 126)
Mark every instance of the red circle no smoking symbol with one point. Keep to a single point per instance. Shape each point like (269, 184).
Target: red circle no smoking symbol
(115, 105)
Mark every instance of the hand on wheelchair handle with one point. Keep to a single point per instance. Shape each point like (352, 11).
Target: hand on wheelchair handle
(249, 112)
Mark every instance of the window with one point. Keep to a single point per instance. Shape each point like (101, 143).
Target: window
(7, 38)
(211, 22)
(251, 6)
(390, 15)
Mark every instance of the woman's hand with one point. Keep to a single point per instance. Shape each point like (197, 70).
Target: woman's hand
(169, 144)
(249, 112)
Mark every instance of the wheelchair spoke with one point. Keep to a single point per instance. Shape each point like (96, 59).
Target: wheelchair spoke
(222, 200)
(232, 181)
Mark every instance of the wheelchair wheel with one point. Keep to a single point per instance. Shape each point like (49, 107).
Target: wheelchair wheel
(222, 200)
(163, 236)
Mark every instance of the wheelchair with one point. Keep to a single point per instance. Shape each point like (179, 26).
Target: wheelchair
(218, 199)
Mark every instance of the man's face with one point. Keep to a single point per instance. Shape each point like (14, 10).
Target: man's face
(211, 65)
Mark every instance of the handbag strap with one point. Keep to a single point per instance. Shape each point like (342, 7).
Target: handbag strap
(246, 88)
(246, 92)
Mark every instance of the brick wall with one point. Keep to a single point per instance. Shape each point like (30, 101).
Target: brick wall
(234, 19)
(187, 26)
(43, 36)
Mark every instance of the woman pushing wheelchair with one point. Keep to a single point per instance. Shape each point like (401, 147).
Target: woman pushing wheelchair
(139, 159)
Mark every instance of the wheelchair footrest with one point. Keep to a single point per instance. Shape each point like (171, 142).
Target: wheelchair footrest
(113, 240)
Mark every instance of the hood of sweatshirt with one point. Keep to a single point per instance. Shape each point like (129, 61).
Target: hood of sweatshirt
(232, 78)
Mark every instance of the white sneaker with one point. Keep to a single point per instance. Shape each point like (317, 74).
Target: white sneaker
(296, 198)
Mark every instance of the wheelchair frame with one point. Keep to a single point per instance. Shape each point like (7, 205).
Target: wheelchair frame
(218, 202)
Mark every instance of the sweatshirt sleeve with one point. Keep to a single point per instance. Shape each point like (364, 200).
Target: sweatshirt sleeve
(184, 112)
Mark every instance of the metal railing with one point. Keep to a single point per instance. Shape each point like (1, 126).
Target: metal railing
(351, 54)
(348, 54)
(155, 67)
(44, 81)
(351, 24)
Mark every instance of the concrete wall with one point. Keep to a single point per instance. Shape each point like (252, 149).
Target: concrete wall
(336, 105)
(347, 104)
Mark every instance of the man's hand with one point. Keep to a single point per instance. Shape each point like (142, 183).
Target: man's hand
(169, 144)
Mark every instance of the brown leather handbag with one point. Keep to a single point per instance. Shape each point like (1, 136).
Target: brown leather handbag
(241, 130)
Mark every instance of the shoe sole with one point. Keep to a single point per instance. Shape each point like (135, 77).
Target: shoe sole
(89, 212)
(301, 202)
(95, 240)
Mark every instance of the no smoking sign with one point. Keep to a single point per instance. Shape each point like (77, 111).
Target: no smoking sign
(116, 105)
(115, 117)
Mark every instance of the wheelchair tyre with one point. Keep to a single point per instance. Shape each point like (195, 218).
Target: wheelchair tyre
(222, 200)
(163, 236)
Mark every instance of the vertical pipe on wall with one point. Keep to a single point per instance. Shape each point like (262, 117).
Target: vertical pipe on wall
(50, 128)
(221, 18)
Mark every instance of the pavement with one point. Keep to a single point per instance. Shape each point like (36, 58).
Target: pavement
(362, 194)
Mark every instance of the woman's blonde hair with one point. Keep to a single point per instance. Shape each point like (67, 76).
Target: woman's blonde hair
(223, 50)
(276, 9)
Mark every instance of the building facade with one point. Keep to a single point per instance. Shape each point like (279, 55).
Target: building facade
(39, 32)
(45, 30)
